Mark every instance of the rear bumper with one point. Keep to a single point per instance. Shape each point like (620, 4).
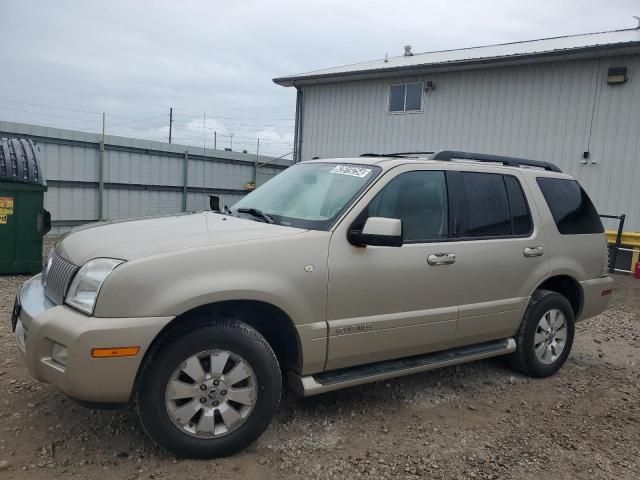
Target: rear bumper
(596, 294)
(106, 380)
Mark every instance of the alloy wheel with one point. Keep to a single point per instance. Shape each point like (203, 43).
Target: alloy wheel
(550, 337)
(211, 394)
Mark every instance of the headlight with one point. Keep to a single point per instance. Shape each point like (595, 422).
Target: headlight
(85, 286)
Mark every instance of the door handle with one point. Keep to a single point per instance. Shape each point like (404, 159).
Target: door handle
(441, 259)
(533, 251)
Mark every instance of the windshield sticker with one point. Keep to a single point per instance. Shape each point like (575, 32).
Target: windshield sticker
(359, 172)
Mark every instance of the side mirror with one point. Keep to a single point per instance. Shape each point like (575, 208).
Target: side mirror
(214, 203)
(43, 222)
(378, 231)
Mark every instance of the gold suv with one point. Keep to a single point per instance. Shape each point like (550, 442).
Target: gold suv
(335, 273)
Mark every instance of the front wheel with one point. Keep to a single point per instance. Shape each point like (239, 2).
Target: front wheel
(209, 391)
(545, 336)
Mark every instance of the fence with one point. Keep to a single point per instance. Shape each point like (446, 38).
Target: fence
(122, 177)
(624, 247)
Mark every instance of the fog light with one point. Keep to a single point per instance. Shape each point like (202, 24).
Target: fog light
(59, 354)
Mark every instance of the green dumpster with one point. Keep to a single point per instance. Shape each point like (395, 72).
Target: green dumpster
(23, 220)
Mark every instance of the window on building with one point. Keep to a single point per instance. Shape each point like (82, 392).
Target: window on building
(417, 198)
(405, 97)
(570, 206)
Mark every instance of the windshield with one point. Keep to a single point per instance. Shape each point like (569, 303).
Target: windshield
(309, 195)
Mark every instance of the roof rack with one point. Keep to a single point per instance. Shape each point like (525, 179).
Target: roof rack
(448, 155)
(395, 154)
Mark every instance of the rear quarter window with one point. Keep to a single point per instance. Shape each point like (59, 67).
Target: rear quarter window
(570, 206)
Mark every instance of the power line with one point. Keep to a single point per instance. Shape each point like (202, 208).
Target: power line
(77, 119)
(232, 118)
(256, 126)
(142, 120)
(50, 106)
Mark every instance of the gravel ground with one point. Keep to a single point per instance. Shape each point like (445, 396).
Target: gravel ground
(477, 420)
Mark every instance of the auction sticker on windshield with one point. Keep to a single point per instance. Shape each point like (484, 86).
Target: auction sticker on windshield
(360, 172)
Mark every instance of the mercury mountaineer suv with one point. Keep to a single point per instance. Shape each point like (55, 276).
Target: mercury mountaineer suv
(334, 273)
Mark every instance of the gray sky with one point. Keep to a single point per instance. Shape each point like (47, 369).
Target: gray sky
(134, 59)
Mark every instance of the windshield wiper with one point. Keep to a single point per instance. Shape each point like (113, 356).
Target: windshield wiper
(254, 212)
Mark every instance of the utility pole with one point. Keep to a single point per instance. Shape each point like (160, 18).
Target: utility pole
(231, 136)
(204, 160)
(170, 122)
(255, 165)
(101, 174)
(215, 140)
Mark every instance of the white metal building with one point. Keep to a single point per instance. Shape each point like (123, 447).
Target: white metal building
(572, 100)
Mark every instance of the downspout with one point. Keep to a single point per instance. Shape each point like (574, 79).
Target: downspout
(297, 136)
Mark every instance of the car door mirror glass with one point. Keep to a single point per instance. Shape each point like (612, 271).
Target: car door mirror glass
(378, 231)
(214, 203)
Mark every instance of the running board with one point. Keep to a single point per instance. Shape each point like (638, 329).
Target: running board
(373, 372)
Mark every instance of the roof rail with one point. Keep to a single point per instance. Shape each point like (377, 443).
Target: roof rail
(448, 155)
(395, 154)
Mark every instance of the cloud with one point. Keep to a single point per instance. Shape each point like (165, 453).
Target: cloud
(135, 59)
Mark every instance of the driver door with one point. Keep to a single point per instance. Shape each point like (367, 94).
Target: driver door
(392, 302)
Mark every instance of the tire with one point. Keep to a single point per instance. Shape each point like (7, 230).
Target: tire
(533, 357)
(165, 416)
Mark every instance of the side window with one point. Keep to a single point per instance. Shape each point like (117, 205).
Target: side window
(417, 198)
(487, 206)
(570, 206)
(520, 214)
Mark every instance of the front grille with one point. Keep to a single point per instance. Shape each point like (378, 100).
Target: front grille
(57, 277)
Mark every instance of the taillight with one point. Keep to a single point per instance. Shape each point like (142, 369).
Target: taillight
(605, 261)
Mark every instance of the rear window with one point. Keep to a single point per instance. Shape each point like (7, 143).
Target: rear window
(570, 206)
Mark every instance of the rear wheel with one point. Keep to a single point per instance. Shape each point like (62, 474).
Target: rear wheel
(545, 336)
(209, 391)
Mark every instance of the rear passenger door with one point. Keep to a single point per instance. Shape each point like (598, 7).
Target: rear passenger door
(501, 252)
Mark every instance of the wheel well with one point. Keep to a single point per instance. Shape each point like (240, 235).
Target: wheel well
(568, 288)
(272, 323)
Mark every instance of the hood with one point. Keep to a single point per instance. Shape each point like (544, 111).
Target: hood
(132, 239)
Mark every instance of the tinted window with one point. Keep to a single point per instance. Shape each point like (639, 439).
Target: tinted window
(487, 206)
(570, 206)
(520, 215)
(414, 97)
(419, 199)
(396, 98)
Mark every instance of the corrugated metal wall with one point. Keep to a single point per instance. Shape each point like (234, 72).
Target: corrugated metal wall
(140, 177)
(550, 111)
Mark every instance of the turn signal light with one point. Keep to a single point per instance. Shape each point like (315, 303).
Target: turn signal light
(114, 352)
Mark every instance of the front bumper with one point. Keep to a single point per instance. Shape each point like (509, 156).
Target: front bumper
(596, 296)
(104, 380)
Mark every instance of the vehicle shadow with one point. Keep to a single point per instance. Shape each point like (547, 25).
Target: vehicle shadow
(103, 432)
